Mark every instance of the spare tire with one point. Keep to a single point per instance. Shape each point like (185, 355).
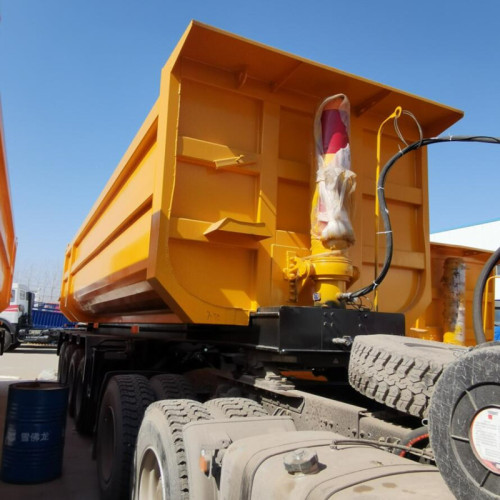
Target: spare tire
(400, 372)
(464, 424)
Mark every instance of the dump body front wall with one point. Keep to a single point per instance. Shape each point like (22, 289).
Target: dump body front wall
(7, 235)
(213, 197)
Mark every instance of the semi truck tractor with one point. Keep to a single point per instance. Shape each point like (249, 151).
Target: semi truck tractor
(27, 321)
(261, 312)
(17, 315)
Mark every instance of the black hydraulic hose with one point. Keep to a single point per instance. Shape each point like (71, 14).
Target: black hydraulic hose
(477, 301)
(384, 212)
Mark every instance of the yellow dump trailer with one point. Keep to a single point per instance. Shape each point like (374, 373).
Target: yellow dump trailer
(7, 234)
(212, 200)
(449, 316)
(226, 275)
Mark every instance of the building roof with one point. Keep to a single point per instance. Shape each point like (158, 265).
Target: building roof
(484, 236)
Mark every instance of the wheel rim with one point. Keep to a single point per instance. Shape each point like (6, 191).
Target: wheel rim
(107, 440)
(150, 477)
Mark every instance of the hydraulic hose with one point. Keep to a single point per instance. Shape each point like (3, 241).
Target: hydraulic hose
(384, 211)
(477, 301)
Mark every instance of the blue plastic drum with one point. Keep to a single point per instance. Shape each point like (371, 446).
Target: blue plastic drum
(35, 423)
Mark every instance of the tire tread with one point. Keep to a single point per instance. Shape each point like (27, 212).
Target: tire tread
(135, 395)
(235, 408)
(172, 386)
(178, 413)
(400, 372)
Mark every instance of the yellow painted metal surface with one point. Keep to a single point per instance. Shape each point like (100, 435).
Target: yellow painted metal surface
(7, 235)
(212, 200)
(433, 323)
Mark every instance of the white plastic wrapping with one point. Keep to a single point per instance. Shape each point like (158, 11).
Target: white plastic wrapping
(330, 218)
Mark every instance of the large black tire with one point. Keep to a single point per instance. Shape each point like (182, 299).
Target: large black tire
(235, 408)
(400, 372)
(10, 340)
(65, 358)
(464, 424)
(120, 415)
(8, 343)
(60, 363)
(160, 458)
(172, 386)
(78, 354)
(83, 419)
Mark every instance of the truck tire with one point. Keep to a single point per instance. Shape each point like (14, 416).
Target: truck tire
(464, 424)
(160, 458)
(7, 346)
(62, 350)
(83, 421)
(65, 358)
(122, 407)
(400, 372)
(76, 357)
(172, 386)
(10, 341)
(235, 408)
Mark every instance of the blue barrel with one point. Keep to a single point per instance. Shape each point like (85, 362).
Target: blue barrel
(33, 441)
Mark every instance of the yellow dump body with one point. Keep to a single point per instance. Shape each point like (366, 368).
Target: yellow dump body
(431, 325)
(7, 234)
(213, 197)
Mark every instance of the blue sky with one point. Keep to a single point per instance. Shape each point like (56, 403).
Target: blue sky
(77, 79)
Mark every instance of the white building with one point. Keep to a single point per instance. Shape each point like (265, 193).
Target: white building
(483, 236)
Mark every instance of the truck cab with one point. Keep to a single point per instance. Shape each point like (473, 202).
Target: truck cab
(14, 317)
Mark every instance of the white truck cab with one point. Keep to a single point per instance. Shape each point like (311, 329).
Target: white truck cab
(11, 317)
